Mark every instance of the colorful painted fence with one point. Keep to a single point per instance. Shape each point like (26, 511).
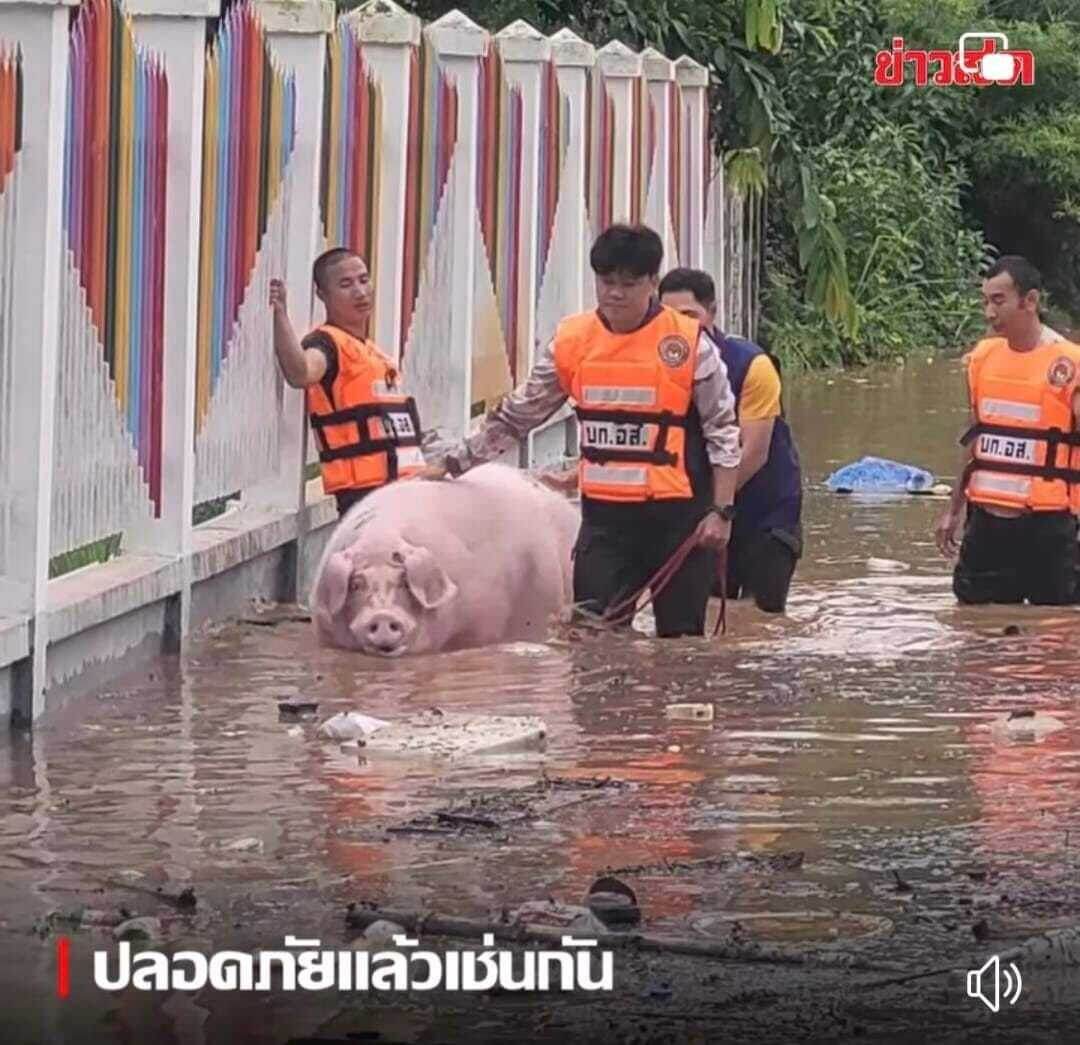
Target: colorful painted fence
(636, 154)
(352, 129)
(108, 445)
(432, 142)
(554, 147)
(11, 130)
(499, 192)
(471, 170)
(248, 139)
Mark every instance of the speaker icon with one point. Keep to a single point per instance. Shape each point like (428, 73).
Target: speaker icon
(1000, 983)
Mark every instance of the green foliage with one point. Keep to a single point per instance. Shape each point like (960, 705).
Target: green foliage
(912, 261)
(1027, 194)
(1020, 144)
(742, 42)
(874, 192)
(109, 547)
(764, 26)
(95, 552)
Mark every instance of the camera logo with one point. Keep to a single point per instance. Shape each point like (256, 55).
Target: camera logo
(997, 66)
(992, 983)
(982, 59)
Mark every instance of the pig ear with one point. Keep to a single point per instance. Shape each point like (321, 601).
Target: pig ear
(335, 582)
(427, 580)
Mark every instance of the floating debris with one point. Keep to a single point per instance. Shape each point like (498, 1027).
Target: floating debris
(58, 921)
(139, 929)
(1025, 726)
(351, 725)
(691, 712)
(244, 845)
(270, 615)
(613, 902)
(786, 861)
(453, 736)
(383, 931)
(487, 812)
(658, 990)
(901, 885)
(295, 707)
(551, 914)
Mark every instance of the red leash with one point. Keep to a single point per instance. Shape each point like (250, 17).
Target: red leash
(628, 608)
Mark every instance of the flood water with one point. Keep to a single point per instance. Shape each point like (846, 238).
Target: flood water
(854, 731)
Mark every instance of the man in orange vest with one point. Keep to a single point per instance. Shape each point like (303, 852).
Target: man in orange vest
(368, 431)
(1019, 493)
(634, 370)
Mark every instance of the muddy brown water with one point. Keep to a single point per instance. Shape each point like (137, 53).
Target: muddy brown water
(852, 731)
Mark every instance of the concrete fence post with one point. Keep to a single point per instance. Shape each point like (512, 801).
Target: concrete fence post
(176, 31)
(40, 31)
(524, 52)
(296, 31)
(460, 44)
(621, 69)
(565, 285)
(574, 60)
(693, 80)
(389, 35)
(659, 73)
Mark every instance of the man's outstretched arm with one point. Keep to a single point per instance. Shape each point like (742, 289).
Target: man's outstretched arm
(300, 366)
(526, 408)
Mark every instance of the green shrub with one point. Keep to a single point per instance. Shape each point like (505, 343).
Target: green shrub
(912, 261)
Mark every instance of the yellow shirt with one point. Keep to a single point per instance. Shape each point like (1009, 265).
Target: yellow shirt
(760, 396)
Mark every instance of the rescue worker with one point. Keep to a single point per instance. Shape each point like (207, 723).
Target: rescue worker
(1019, 491)
(766, 538)
(634, 370)
(368, 430)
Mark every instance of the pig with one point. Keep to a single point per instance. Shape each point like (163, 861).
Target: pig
(422, 566)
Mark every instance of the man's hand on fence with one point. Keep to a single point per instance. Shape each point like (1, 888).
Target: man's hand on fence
(277, 297)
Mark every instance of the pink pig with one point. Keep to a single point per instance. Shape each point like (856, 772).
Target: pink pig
(422, 566)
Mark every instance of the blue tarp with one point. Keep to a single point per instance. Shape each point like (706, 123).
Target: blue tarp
(877, 475)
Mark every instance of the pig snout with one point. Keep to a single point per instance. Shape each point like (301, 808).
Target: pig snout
(383, 631)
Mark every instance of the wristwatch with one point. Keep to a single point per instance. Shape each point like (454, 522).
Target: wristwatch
(725, 511)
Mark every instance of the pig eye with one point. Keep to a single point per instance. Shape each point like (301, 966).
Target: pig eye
(398, 559)
(356, 582)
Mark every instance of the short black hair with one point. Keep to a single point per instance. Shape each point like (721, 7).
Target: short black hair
(697, 281)
(1025, 275)
(327, 260)
(634, 249)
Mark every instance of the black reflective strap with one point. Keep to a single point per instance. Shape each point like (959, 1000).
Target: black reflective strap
(361, 449)
(1053, 437)
(586, 413)
(1012, 432)
(365, 445)
(351, 413)
(659, 454)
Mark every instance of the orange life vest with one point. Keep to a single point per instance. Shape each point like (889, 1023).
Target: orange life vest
(632, 394)
(1026, 454)
(368, 435)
